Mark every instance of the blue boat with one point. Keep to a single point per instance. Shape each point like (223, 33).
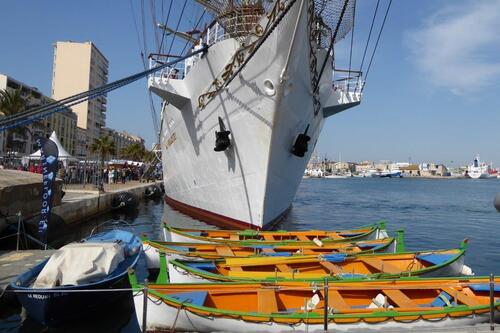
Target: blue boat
(65, 301)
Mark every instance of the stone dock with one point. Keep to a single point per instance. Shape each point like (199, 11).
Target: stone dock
(20, 191)
(13, 263)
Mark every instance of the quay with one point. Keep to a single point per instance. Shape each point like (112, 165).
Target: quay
(81, 202)
(20, 192)
(13, 263)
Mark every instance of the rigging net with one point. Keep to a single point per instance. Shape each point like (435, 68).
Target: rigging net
(239, 16)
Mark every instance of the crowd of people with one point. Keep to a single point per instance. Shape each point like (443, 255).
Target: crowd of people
(88, 173)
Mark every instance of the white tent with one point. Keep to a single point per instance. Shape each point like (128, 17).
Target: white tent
(63, 154)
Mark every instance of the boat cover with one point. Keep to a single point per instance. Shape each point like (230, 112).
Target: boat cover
(80, 263)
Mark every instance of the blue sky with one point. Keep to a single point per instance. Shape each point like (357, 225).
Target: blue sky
(430, 95)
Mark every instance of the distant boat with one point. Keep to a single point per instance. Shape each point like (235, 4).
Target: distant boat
(478, 170)
(393, 173)
(337, 176)
(48, 291)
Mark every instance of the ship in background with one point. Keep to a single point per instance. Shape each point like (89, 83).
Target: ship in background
(479, 170)
(239, 122)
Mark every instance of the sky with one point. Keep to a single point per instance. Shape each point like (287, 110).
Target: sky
(430, 96)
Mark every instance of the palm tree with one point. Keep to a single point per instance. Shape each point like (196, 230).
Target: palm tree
(12, 103)
(133, 152)
(104, 147)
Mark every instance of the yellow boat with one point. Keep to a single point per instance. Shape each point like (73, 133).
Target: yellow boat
(312, 268)
(410, 303)
(221, 250)
(311, 237)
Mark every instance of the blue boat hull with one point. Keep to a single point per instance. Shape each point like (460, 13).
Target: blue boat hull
(54, 306)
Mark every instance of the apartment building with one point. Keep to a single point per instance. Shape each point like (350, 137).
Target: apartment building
(63, 122)
(122, 139)
(80, 67)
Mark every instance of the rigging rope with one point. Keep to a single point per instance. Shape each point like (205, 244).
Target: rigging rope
(194, 29)
(376, 44)
(330, 47)
(137, 34)
(144, 37)
(152, 9)
(177, 27)
(160, 49)
(369, 36)
(143, 60)
(33, 114)
(352, 41)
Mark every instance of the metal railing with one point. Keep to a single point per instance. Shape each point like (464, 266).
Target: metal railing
(136, 292)
(348, 81)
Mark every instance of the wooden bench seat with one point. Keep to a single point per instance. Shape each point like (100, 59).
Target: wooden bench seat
(381, 265)
(224, 251)
(266, 299)
(399, 298)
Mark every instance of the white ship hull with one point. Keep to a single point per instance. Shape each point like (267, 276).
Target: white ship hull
(254, 181)
(479, 175)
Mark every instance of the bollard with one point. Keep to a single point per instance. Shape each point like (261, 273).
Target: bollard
(492, 303)
(18, 229)
(145, 305)
(325, 311)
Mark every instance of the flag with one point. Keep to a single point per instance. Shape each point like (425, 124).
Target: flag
(49, 158)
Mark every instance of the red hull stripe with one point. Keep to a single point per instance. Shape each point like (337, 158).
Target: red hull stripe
(208, 217)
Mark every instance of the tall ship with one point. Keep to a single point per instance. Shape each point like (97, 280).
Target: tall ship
(479, 170)
(239, 121)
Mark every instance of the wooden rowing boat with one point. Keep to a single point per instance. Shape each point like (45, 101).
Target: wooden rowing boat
(311, 237)
(152, 248)
(359, 305)
(313, 268)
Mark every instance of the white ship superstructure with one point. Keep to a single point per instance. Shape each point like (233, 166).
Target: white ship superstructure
(239, 122)
(478, 169)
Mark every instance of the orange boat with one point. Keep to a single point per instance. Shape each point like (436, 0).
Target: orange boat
(310, 237)
(174, 250)
(410, 303)
(432, 263)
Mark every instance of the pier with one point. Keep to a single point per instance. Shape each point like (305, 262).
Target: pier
(13, 263)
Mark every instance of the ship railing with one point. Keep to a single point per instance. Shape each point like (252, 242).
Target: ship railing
(174, 72)
(213, 33)
(349, 82)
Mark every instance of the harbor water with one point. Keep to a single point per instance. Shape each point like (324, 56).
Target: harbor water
(435, 214)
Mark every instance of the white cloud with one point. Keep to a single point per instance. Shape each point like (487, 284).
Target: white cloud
(458, 48)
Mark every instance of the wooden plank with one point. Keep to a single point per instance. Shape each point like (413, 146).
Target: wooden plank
(266, 299)
(336, 301)
(461, 297)
(224, 251)
(399, 298)
(303, 237)
(333, 269)
(268, 237)
(284, 268)
(234, 237)
(381, 265)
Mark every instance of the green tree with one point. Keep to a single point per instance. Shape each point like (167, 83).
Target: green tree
(134, 152)
(104, 147)
(12, 103)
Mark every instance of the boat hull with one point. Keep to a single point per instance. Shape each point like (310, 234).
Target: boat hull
(161, 316)
(58, 305)
(265, 107)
